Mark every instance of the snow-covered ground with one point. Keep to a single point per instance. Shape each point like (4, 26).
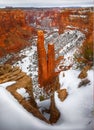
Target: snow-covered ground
(77, 110)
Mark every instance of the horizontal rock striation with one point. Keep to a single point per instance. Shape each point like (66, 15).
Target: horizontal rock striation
(80, 19)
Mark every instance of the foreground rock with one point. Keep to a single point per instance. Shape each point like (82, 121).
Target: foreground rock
(9, 73)
(62, 94)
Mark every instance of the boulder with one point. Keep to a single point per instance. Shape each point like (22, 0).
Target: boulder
(62, 94)
(84, 82)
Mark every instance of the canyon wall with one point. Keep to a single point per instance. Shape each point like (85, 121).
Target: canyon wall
(80, 19)
(14, 31)
(42, 17)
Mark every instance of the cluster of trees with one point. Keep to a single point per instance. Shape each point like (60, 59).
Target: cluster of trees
(84, 54)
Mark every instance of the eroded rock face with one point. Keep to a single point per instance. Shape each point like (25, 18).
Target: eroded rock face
(14, 31)
(9, 73)
(62, 94)
(80, 19)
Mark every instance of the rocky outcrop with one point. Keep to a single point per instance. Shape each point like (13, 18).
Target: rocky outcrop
(62, 94)
(84, 82)
(22, 81)
(76, 19)
(9, 73)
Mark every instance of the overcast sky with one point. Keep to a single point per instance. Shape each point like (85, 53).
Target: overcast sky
(46, 3)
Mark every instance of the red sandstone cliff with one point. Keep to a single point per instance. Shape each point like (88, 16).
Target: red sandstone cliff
(80, 19)
(14, 31)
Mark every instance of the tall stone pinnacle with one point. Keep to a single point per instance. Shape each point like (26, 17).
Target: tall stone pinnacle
(51, 59)
(42, 58)
(47, 77)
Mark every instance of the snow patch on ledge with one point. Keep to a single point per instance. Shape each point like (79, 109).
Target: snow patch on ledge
(6, 84)
(23, 93)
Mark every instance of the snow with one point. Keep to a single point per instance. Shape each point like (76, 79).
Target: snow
(70, 81)
(24, 64)
(23, 93)
(76, 110)
(44, 105)
(13, 116)
(5, 85)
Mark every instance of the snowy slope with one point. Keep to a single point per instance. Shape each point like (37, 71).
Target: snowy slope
(76, 110)
(13, 116)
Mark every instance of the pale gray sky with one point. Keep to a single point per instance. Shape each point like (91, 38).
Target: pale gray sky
(38, 3)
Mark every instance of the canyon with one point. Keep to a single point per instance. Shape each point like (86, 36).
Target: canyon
(76, 19)
(62, 32)
(18, 26)
(44, 76)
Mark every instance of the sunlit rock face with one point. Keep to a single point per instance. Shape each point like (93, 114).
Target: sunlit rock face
(47, 77)
(80, 19)
(42, 58)
(14, 31)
